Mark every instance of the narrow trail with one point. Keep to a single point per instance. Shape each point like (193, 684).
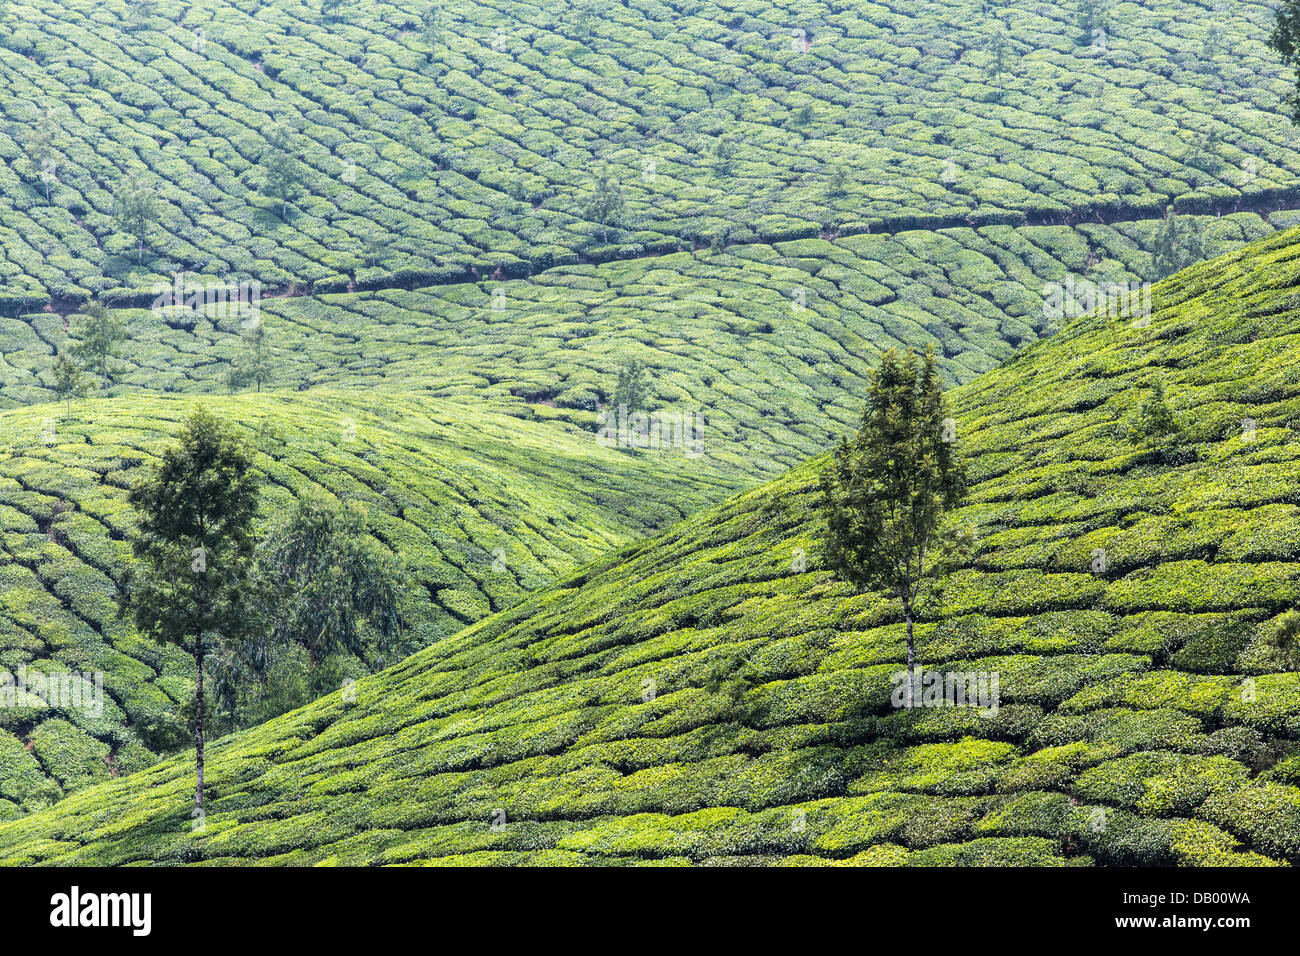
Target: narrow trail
(1263, 203)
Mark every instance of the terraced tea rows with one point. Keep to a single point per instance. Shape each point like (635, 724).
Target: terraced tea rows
(433, 143)
(712, 696)
(771, 343)
(481, 508)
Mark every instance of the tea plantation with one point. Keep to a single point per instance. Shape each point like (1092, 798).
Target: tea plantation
(480, 507)
(770, 342)
(407, 143)
(711, 695)
(482, 478)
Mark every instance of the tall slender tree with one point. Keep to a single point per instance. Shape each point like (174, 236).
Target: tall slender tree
(136, 209)
(998, 42)
(190, 585)
(433, 26)
(283, 174)
(98, 333)
(1178, 244)
(253, 366)
(606, 200)
(887, 488)
(837, 182)
(1285, 39)
(41, 149)
(68, 381)
(632, 388)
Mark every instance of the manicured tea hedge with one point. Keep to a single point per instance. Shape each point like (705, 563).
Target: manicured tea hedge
(705, 697)
(437, 158)
(771, 343)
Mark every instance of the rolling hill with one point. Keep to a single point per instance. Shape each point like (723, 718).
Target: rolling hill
(771, 342)
(480, 507)
(710, 695)
(496, 390)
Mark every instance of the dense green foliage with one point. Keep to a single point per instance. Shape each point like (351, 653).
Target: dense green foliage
(69, 380)
(1141, 719)
(1285, 39)
(480, 508)
(97, 337)
(391, 144)
(330, 601)
(717, 332)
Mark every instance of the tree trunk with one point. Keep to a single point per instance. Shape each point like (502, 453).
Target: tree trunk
(911, 655)
(139, 254)
(198, 721)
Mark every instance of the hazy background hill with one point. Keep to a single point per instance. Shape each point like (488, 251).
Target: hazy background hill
(480, 508)
(435, 139)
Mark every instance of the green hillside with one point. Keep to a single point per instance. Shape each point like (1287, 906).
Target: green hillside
(486, 458)
(704, 697)
(771, 342)
(481, 508)
(433, 142)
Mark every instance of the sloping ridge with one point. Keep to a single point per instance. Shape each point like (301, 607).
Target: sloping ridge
(480, 507)
(704, 697)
